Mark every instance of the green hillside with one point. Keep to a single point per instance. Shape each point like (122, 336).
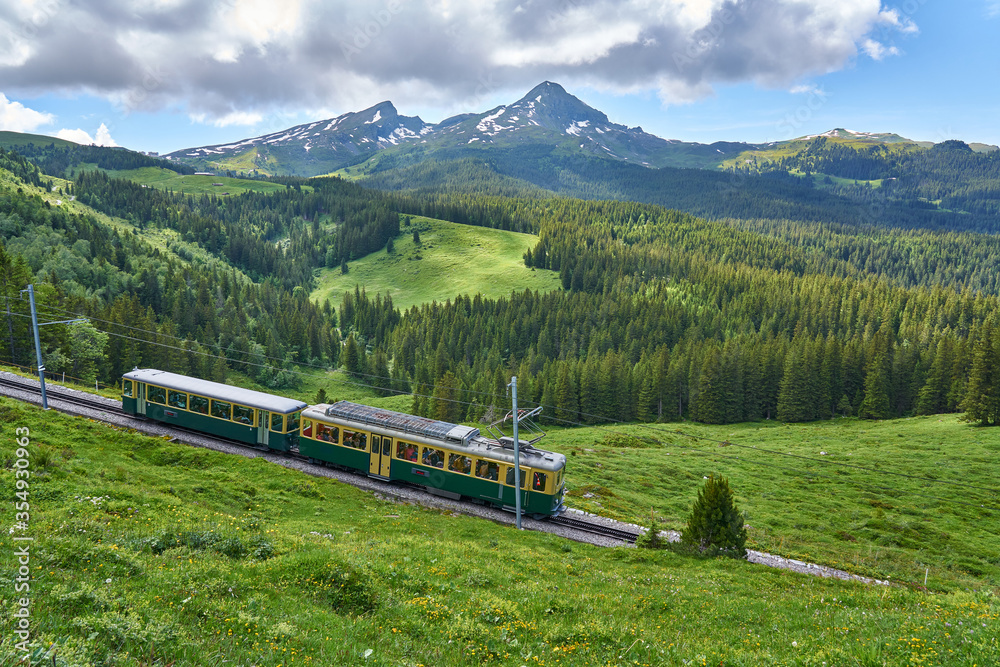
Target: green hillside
(195, 184)
(451, 259)
(14, 139)
(151, 552)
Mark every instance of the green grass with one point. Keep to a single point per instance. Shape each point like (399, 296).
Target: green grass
(8, 139)
(247, 161)
(896, 499)
(149, 552)
(451, 259)
(166, 179)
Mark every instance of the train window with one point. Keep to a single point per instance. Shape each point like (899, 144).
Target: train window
(433, 457)
(355, 440)
(510, 476)
(199, 404)
(243, 415)
(406, 451)
(538, 481)
(127, 388)
(307, 428)
(156, 394)
(221, 409)
(176, 399)
(277, 422)
(293, 422)
(328, 433)
(487, 470)
(459, 463)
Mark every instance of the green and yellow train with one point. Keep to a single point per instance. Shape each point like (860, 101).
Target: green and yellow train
(251, 417)
(447, 459)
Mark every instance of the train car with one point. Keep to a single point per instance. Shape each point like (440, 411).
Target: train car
(253, 417)
(448, 459)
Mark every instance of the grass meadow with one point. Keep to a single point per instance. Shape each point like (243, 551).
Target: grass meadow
(148, 552)
(451, 259)
(165, 179)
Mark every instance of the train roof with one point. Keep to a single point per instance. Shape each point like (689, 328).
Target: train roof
(400, 421)
(446, 434)
(225, 392)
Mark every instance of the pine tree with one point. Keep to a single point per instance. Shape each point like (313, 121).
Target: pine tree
(876, 401)
(715, 522)
(351, 356)
(982, 395)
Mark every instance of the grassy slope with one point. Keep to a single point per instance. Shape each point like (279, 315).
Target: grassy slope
(165, 179)
(13, 139)
(149, 552)
(898, 499)
(452, 259)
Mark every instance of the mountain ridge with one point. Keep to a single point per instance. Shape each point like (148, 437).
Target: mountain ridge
(546, 114)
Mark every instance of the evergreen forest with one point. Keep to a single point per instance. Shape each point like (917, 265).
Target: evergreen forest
(761, 296)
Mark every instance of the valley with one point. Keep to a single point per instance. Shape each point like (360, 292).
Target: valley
(816, 321)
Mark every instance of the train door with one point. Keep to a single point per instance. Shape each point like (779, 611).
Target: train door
(381, 455)
(386, 456)
(263, 419)
(140, 398)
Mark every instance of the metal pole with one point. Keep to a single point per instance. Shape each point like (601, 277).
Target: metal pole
(38, 346)
(517, 455)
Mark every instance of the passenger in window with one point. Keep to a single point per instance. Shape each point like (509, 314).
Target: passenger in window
(539, 481)
(434, 458)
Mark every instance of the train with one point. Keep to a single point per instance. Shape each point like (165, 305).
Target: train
(449, 460)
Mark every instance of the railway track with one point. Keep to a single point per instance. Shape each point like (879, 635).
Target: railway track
(595, 528)
(63, 396)
(76, 399)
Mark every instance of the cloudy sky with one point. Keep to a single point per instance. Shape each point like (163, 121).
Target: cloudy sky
(168, 74)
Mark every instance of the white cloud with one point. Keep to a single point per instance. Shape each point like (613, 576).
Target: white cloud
(102, 138)
(77, 136)
(878, 51)
(227, 63)
(232, 118)
(993, 8)
(15, 117)
(805, 89)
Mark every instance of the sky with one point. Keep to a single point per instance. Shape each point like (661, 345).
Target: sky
(162, 75)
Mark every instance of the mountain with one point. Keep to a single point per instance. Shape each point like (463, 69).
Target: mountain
(312, 148)
(547, 115)
(550, 116)
(877, 137)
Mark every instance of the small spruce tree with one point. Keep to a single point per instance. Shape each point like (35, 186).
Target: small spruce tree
(651, 539)
(321, 395)
(715, 523)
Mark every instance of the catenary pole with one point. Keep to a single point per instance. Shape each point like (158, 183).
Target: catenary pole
(38, 346)
(517, 455)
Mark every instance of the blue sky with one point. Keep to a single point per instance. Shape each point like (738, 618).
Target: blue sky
(161, 75)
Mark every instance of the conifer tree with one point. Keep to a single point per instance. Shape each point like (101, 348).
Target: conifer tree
(876, 401)
(351, 356)
(715, 522)
(982, 395)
